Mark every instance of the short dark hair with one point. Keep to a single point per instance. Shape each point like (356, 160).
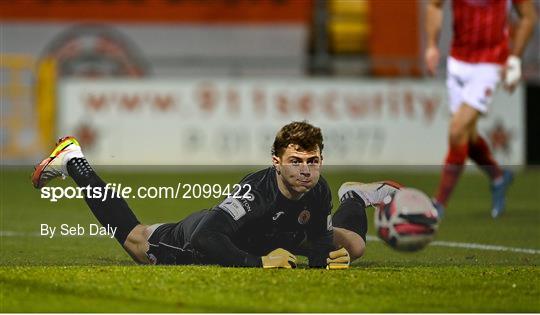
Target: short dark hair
(301, 133)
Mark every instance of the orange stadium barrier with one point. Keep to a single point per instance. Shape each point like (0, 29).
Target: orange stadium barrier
(191, 11)
(395, 45)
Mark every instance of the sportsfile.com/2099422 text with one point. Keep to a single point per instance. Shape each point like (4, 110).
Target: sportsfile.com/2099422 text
(180, 191)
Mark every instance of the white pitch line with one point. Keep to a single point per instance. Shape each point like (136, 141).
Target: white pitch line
(13, 233)
(486, 247)
(496, 248)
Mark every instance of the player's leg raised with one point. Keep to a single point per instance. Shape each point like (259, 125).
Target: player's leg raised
(67, 159)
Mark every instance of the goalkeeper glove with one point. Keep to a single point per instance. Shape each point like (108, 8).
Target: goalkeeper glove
(279, 258)
(512, 72)
(338, 259)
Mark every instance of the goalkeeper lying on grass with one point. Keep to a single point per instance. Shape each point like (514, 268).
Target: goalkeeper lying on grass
(281, 211)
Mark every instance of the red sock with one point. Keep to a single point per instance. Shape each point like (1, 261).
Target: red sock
(480, 153)
(451, 171)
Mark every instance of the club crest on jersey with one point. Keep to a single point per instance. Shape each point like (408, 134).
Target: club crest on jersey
(304, 216)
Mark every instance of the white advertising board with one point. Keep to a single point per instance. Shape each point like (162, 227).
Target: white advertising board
(233, 121)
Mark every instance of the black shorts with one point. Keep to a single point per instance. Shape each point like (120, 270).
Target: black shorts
(170, 243)
(351, 215)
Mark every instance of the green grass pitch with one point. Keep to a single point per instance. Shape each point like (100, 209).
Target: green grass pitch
(93, 274)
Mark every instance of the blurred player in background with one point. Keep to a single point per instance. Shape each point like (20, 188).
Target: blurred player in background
(287, 209)
(480, 58)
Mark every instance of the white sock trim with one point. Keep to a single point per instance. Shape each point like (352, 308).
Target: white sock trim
(68, 156)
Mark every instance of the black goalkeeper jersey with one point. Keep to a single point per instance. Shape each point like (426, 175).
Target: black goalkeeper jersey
(256, 220)
(271, 221)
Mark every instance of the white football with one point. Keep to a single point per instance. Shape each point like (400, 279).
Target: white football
(406, 220)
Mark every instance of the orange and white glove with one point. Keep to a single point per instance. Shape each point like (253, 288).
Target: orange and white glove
(279, 258)
(338, 259)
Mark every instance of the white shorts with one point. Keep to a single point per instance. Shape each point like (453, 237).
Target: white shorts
(471, 83)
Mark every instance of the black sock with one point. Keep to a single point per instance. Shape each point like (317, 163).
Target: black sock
(351, 214)
(112, 211)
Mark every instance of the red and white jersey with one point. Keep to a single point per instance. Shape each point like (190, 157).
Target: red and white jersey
(481, 30)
